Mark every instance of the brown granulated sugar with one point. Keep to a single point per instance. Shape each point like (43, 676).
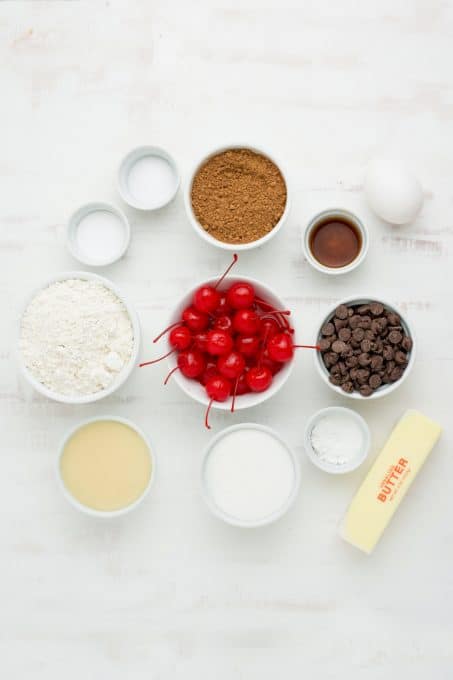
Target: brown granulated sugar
(238, 196)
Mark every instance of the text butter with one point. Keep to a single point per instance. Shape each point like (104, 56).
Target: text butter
(389, 480)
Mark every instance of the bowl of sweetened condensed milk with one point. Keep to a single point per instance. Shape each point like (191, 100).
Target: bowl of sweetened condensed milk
(106, 466)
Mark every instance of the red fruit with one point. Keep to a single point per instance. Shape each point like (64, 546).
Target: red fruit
(248, 345)
(219, 342)
(266, 361)
(217, 388)
(269, 327)
(246, 321)
(231, 365)
(241, 295)
(206, 299)
(191, 363)
(259, 378)
(201, 341)
(241, 385)
(280, 348)
(195, 320)
(209, 372)
(223, 323)
(180, 338)
(223, 307)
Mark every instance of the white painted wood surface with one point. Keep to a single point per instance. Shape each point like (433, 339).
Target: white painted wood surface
(169, 592)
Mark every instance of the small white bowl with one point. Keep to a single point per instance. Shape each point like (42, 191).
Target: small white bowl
(125, 168)
(85, 508)
(193, 388)
(235, 521)
(202, 232)
(383, 390)
(120, 378)
(71, 234)
(353, 464)
(331, 214)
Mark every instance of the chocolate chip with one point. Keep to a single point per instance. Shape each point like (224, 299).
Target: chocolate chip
(364, 359)
(400, 357)
(328, 329)
(335, 380)
(338, 346)
(393, 319)
(396, 374)
(375, 381)
(365, 346)
(365, 322)
(344, 334)
(363, 309)
(395, 337)
(365, 391)
(388, 353)
(376, 362)
(358, 334)
(347, 387)
(324, 344)
(354, 321)
(340, 323)
(362, 376)
(330, 358)
(406, 343)
(341, 312)
(351, 361)
(376, 308)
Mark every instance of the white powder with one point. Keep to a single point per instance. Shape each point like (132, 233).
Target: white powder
(100, 236)
(152, 181)
(76, 336)
(249, 474)
(337, 439)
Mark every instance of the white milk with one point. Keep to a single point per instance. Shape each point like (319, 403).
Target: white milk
(249, 474)
(152, 181)
(100, 236)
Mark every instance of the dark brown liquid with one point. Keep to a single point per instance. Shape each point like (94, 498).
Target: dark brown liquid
(335, 242)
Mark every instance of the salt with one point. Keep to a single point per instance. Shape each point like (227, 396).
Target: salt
(100, 236)
(152, 181)
(337, 439)
(249, 474)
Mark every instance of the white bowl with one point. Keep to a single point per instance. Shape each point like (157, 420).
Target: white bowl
(123, 177)
(71, 231)
(332, 213)
(120, 378)
(193, 388)
(85, 508)
(383, 390)
(235, 521)
(203, 233)
(353, 464)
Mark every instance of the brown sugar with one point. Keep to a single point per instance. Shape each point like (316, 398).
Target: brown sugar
(238, 196)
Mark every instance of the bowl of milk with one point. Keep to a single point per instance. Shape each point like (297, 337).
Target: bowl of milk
(250, 477)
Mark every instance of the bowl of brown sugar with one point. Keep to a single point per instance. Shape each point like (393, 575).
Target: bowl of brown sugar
(237, 198)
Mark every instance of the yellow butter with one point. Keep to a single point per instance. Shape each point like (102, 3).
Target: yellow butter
(389, 480)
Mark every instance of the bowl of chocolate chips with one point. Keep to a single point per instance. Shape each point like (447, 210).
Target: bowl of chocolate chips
(367, 348)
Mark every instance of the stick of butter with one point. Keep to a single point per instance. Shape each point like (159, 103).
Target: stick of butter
(389, 480)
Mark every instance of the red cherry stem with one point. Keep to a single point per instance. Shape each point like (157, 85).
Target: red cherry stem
(307, 347)
(234, 395)
(206, 418)
(154, 361)
(170, 374)
(235, 259)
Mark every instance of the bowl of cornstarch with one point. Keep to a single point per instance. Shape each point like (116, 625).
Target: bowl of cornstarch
(337, 439)
(78, 338)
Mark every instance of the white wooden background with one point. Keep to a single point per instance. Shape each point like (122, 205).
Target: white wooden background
(170, 592)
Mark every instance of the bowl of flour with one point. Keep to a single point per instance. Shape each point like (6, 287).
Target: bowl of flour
(78, 339)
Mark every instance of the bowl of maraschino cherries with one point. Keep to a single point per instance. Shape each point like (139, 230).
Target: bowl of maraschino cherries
(230, 344)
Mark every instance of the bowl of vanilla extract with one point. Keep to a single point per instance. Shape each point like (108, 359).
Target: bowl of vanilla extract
(335, 241)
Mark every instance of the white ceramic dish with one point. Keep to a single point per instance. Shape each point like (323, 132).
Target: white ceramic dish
(193, 388)
(203, 233)
(353, 464)
(384, 389)
(141, 152)
(332, 213)
(121, 377)
(235, 521)
(99, 513)
(71, 233)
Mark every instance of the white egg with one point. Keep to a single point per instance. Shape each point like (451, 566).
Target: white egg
(392, 191)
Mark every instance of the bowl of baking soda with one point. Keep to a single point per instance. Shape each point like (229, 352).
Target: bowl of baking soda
(337, 439)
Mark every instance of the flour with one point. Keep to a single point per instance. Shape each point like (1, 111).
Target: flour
(76, 336)
(337, 439)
